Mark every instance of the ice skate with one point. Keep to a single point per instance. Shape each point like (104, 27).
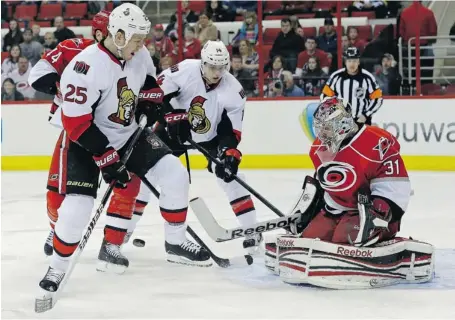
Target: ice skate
(188, 253)
(111, 259)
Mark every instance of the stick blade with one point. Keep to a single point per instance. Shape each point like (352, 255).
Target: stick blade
(44, 304)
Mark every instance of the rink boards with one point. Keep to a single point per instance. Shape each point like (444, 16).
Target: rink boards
(276, 134)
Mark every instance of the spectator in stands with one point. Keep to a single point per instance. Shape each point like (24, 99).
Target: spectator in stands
(344, 42)
(11, 62)
(166, 63)
(4, 11)
(311, 50)
(188, 17)
(14, 36)
(62, 33)
(205, 29)
(49, 41)
(20, 78)
(294, 7)
(9, 92)
(288, 44)
(418, 16)
(163, 44)
(192, 48)
(274, 75)
(289, 88)
(219, 11)
(155, 56)
(248, 31)
(354, 41)
(250, 58)
(242, 75)
(295, 23)
(328, 40)
(241, 7)
(378, 6)
(36, 29)
(387, 75)
(313, 78)
(31, 49)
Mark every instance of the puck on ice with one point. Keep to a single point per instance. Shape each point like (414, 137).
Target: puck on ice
(139, 243)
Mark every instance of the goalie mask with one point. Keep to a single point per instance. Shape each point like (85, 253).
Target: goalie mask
(333, 122)
(214, 61)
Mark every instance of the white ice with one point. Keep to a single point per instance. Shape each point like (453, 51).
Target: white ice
(153, 288)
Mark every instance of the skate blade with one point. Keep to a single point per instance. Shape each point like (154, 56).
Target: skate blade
(104, 266)
(44, 302)
(182, 260)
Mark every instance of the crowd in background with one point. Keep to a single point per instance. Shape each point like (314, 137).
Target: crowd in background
(297, 64)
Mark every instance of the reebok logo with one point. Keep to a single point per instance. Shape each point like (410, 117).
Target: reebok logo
(262, 228)
(285, 243)
(355, 253)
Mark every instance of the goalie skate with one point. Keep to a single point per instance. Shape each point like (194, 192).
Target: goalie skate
(188, 253)
(111, 259)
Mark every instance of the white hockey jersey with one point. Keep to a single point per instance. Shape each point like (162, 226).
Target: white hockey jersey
(98, 87)
(205, 104)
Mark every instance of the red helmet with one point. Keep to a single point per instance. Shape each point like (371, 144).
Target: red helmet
(100, 22)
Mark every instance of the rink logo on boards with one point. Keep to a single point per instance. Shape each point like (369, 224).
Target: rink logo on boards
(355, 252)
(418, 132)
(267, 227)
(81, 67)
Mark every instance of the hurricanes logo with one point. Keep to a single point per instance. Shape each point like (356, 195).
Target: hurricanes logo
(126, 103)
(336, 176)
(382, 147)
(196, 116)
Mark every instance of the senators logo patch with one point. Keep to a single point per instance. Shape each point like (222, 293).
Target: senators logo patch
(382, 147)
(174, 68)
(126, 104)
(242, 94)
(336, 176)
(196, 116)
(81, 67)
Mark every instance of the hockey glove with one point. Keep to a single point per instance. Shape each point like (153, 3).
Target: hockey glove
(149, 103)
(230, 159)
(112, 168)
(178, 126)
(374, 221)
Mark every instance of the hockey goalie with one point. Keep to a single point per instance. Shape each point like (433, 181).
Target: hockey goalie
(347, 238)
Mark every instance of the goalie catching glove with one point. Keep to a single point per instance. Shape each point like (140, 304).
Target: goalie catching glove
(112, 168)
(230, 158)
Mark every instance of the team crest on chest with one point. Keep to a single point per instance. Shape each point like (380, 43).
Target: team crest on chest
(126, 104)
(196, 116)
(336, 176)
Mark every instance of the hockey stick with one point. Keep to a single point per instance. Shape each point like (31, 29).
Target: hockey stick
(47, 303)
(236, 178)
(300, 216)
(222, 262)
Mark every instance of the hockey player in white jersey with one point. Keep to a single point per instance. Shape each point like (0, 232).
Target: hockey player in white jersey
(100, 88)
(213, 101)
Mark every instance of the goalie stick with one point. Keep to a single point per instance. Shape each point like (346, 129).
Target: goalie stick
(302, 214)
(222, 262)
(47, 303)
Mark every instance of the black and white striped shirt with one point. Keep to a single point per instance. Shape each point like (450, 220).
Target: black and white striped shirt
(361, 91)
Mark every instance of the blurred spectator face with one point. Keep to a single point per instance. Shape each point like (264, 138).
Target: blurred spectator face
(328, 28)
(58, 23)
(249, 20)
(300, 32)
(13, 25)
(8, 87)
(288, 79)
(189, 35)
(36, 30)
(28, 35)
(243, 47)
(48, 38)
(352, 65)
(345, 42)
(312, 64)
(277, 64)
(214, 4)
(152, 50)
(236, 64)
(203, 20)
(285, 27)
(310, 44)
(184, 4)
(15, 51)
(353, 34)
(386, 63)
(22, 65)
(158, 32)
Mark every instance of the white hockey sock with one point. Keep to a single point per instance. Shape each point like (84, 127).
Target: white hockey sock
(174, 233)
(248, 218)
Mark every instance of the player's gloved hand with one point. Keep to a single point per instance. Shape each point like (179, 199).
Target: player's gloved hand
(149, 103)
(230, 158)
(374, 222)
(112, 168)
(178, 126)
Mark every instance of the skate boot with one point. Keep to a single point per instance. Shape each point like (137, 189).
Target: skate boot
(48, 287)
(188, 253)
(252, 243)
(48, 245)
(111, 259)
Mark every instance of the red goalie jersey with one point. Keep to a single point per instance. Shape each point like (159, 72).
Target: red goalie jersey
(370, 162)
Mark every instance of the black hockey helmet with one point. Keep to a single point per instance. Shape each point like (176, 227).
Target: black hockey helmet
(351, 53)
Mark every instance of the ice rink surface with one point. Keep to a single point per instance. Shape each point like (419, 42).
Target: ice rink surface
(152, 288)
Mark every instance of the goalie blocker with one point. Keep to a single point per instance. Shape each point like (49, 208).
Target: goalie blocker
(312, 261)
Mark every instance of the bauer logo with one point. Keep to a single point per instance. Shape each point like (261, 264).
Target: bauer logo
(355, 252)
(306, 120)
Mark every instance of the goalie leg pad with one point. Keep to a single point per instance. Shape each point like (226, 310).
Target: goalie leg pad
(334, 266)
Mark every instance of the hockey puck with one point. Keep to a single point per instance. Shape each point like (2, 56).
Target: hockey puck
(139, 243)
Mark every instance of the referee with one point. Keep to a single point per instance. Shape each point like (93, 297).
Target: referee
(356, 86)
